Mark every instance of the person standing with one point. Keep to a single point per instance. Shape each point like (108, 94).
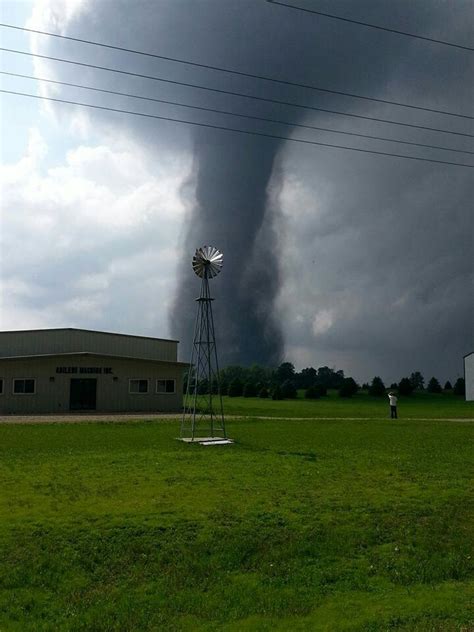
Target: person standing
(393, 405)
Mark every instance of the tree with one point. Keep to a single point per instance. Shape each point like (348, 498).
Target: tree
(405, 387)
(307, 377)
(377, 388)
(313, 392)
(203, 386)
(249, 390)
(263, 393)
(230, 373)
(338, 378)
(322, 390)
(434, 386)
(276, 393)
(330, 378)
(235, 388)
(348, 387)
(288, 390)
(417, 381)
(459, 387)
(259, 374)
(394, 386)
(286, 371)
(448, 386)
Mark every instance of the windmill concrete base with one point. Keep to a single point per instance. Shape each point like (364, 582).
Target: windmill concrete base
(207, 440)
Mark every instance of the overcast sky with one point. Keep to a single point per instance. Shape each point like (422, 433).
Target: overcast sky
(331, 257)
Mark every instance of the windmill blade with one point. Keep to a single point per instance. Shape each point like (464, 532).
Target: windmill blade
(207, 261)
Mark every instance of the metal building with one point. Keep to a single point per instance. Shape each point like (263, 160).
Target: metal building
(469, 376)
(62, 370)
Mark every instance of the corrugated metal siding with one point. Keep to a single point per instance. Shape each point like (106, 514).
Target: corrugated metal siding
(47, 341)
(53, 389)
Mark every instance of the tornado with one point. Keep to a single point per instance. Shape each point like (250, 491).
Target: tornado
(231, 211)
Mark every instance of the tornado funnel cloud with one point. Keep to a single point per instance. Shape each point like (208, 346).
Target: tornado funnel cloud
(231, 213)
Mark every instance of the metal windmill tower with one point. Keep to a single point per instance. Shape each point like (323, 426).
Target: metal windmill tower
(203, 415)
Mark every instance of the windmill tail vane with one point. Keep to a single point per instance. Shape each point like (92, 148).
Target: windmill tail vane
(203, 414)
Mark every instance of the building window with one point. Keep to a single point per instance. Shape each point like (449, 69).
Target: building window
(138, 386)
(1, 386)
(166, 386)
(24, 386)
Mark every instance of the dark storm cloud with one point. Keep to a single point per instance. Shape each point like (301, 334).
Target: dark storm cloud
(382, 229)
(391, 263)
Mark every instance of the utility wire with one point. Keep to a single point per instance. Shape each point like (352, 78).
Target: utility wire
(229, 113)
(236, 94)
(237, 130)
(369, 25)
(240, 73)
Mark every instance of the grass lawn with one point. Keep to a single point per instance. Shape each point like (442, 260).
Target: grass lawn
(417, 406)
(311, 525)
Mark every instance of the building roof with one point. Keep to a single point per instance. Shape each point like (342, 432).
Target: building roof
(90, 353)
(468, 354)
(92, 331)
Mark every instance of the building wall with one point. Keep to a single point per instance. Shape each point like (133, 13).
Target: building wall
(47, 341)
(53, 378)
(469, 376)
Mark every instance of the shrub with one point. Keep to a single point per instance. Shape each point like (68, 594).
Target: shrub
(203, 386)
(263, 393)
(224, 385)
(288, 390)
(348, 388)
(434, 386)
(460, 386)
(405, 387)
(276, 393)
(235, 388)
(312, 393)
(316, 391)
(250, 390)
(377, 388)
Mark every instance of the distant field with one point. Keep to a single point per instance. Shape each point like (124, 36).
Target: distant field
(305, 525)
(418, 405)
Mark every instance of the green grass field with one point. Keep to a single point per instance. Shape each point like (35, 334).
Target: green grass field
(418, 405)
(310, 525)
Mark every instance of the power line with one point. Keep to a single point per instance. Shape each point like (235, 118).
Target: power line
(240, 73)
(236, 94)
(369, 25)
(237, 130)
(229, 113)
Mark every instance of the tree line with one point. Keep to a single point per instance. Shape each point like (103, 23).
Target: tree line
(284, 381)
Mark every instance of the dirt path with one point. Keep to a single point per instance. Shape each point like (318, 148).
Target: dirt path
(140, 417)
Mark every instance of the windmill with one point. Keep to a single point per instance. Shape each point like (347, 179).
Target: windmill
(203, 414)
